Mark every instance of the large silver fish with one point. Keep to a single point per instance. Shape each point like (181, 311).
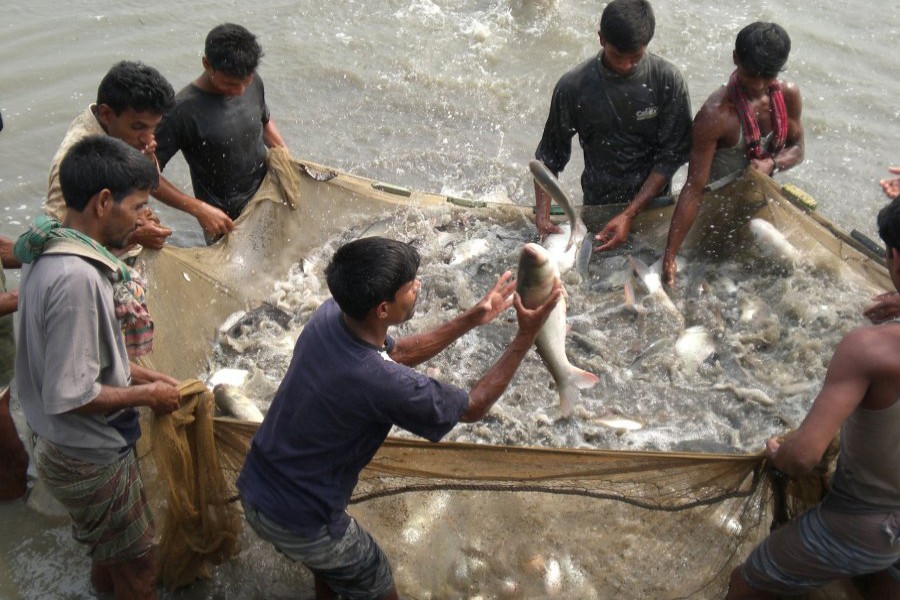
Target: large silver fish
(774, 244)
(577, 250)
(537, 273)
(232, 402)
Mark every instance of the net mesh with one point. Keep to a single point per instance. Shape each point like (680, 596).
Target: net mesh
(461, 520)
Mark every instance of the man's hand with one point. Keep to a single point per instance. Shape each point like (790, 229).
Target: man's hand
(891, 187)
(544, 225)
(669, 269)
(9, 302)
(772, 445)
(162, 397)
(498, 299)
(213, 220)
(615, 233)
(531, 320)
(763, 165)
(150, 235)
(886, 307)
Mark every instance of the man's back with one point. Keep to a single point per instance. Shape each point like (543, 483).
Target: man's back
(337, 403)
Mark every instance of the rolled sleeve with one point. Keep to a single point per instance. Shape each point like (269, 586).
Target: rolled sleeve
(555, 147)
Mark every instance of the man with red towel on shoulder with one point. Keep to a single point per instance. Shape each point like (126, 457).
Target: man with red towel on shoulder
(752, 121)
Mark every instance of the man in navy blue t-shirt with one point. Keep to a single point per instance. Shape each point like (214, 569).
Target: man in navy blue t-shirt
(347, 385)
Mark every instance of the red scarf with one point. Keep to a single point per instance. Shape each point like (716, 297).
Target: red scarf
(748, 120)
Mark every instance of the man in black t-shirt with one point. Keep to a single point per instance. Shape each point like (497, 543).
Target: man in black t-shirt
(221, 125)
(632, 114)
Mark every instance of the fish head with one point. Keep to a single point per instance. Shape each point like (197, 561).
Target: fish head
(537, 268)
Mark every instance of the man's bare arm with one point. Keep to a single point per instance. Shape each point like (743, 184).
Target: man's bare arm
(271, 136)
(616, 231)
(847, 381)
(708, 130)
(160, 397)
(212, 220)
(7, 257)
(416, 349)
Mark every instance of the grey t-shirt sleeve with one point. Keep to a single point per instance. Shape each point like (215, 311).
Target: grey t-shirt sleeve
(72, 350)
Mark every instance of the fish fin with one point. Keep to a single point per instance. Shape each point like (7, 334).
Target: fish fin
(569, 394)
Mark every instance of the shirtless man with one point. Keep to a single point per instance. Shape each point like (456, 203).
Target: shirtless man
(854, 531)
(754, 120)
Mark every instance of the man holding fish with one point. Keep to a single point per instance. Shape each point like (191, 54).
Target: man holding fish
(348, 383)
(631, 111)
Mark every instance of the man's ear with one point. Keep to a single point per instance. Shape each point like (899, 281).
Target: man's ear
(895, 260)
(734, 58)
(101, 203)
(104, 113)
(381, 311)
(206, 65)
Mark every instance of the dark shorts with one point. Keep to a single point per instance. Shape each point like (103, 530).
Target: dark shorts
(821, 546)
(352, 565)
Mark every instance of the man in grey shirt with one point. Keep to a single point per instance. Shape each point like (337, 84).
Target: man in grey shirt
(77, 388)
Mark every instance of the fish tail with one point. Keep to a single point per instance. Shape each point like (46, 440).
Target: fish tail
(569, 394)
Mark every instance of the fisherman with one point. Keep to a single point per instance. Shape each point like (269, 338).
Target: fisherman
(754, 120)
(13, 458)
(348, 383)
(886, 306)
(855, 530)
(221, 124)
(131, 100)
(631, 111)
(78, 391)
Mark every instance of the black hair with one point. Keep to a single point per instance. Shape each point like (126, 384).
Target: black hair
(628, 24)
(762, 49)
(889, 224)
(100, 162)
(137, 86)
(368, 271)
(232, 50)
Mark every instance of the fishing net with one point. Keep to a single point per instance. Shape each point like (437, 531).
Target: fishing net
(462, 520)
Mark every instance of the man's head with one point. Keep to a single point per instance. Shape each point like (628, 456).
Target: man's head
(374, 273)
(131, 101)
(889, 232)
(231, 55)
(761, 50)
(107, 183)
(626, 28)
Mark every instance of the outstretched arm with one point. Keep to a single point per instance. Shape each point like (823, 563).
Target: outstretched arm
(846, 384)
(271, 136)
(616, 231)
(416, 349)
(488, 389)
(708, 127)
(212, 220)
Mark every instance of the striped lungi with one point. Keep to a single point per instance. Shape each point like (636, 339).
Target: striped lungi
(106, 502)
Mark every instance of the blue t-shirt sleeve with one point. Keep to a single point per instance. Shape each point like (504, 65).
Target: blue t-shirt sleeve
(420, 404)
